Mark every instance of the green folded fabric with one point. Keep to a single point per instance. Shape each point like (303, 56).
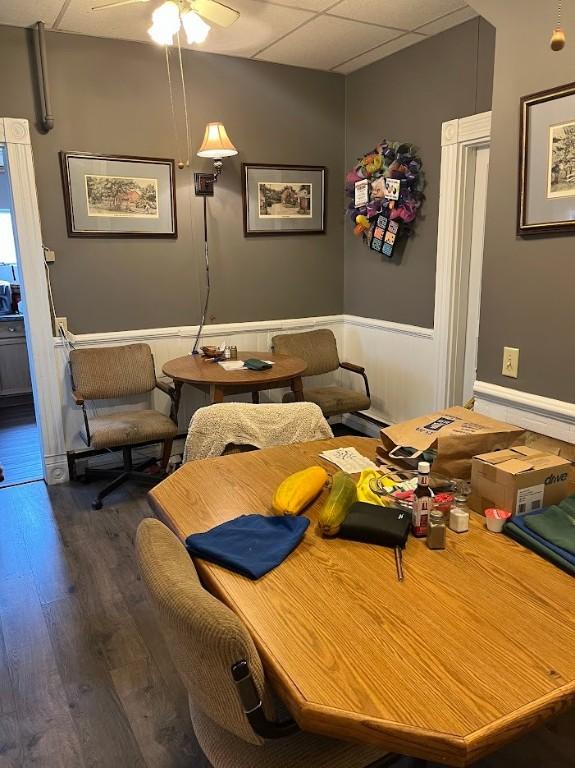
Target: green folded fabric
(254, 364)
(528, 541)
(556, 524)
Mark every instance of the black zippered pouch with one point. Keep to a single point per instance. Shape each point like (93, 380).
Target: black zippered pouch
(374, 524)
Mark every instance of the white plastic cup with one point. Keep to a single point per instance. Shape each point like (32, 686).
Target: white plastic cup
(495, 519)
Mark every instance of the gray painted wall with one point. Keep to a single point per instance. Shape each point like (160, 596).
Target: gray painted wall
(111, 96)
(406, 97)
(527, 295)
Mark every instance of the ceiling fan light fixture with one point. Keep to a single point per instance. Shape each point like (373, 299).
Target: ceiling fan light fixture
(195, 27)
(160, 36)
(166, 23)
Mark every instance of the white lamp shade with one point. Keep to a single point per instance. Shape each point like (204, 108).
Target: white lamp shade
(195, 27)
(216, 143)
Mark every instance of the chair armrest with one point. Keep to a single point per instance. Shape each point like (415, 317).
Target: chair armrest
(78, 397)
(359, 369)
(166, 388)
(352, 367)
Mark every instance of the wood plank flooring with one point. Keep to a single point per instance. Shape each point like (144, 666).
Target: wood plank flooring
(20, 453)
(85, 677)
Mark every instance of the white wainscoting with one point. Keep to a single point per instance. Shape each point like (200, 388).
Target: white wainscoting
(554, 418)
(399, 360)
(168, 343)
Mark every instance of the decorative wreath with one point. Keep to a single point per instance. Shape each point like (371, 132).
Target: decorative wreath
(386, 191)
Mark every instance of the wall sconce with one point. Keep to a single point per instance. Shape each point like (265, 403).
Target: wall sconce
(216, 145)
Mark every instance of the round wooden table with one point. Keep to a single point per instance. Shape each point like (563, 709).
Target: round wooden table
(207, 376)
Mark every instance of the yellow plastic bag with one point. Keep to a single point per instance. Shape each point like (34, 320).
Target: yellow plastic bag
(365, 492)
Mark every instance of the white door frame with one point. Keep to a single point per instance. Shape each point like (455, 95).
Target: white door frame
(460, 140)
(15, 135)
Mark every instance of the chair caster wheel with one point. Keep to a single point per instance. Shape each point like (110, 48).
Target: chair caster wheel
(97, 504)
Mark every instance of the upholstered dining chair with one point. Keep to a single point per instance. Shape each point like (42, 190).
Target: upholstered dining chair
(111, 373)
(319, 350)
(223, 428)
(231, 704)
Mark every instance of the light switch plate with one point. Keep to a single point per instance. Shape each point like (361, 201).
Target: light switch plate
(510, 362)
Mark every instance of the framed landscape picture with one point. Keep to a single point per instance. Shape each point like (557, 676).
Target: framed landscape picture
(283, 199)
(114, 196)
(547, 162)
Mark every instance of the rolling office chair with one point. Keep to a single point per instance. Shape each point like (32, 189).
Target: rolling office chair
(319, 350)
(106, 373)
(230, 699)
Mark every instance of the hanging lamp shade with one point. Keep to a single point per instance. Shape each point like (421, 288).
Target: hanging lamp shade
(216, 143)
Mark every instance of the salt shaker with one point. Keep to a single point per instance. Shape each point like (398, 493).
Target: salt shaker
(459, 520)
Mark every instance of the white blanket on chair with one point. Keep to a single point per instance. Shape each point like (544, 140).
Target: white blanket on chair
(214, 427)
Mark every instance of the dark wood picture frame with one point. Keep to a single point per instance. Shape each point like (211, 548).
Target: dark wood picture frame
(527, 102)
(68, 202)
(278, 166)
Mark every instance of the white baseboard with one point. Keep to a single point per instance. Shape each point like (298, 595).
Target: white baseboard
(365, 426)
(554, 418)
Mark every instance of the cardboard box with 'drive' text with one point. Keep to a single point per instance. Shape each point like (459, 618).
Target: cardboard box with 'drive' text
(519, 480)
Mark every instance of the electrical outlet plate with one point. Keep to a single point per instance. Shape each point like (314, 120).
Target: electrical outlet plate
(61, 322)
(510, 362)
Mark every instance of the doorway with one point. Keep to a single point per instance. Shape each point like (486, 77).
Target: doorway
(34, 300)
(462, 209)
(20, 449)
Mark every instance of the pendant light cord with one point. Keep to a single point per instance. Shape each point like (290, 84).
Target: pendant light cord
(184, 99)
(172, 102)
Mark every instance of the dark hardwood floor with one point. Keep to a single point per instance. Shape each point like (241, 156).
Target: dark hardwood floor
(85, 677)
(19, 445)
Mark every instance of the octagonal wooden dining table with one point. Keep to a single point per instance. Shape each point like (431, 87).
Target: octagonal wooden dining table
(473, 649)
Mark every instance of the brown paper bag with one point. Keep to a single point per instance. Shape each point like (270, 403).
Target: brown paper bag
(456, 434)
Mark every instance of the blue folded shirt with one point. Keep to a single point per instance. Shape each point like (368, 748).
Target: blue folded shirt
(519, 521)
(251, 544)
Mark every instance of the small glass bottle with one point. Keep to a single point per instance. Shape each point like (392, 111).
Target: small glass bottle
(436, 530)
(422, 501)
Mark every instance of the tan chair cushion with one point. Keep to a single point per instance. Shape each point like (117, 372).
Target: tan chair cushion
(334, 400)
(129, 428)
(303, 750)
(317, 348)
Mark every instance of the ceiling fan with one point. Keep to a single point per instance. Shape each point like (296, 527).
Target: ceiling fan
(189, 14)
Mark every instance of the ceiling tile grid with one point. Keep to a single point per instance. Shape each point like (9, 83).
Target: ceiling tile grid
(333, 35)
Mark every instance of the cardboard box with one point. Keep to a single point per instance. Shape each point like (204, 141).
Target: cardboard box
(519, 479)
(456, 434)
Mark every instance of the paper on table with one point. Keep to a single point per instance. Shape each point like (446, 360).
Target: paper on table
(236, 365)
(348, 460)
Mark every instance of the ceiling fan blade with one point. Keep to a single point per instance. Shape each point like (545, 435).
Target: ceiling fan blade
(215, 12)
(117, 4)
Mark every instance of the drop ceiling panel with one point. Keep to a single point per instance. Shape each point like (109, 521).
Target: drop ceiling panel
(410, 38)
(393, 13)
(259, 25)
(325, 42)
(446, 22)
(306, 5)
(23, 13)
(338, 35)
